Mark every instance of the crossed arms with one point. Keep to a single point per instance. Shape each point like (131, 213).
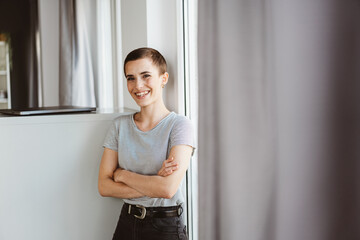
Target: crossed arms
(120, 183)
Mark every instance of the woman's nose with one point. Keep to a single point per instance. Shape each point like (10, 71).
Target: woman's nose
(139, 83)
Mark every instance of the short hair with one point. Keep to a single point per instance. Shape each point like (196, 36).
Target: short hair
(140, 53)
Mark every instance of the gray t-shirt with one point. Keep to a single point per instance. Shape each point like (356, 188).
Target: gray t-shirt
(144, 152)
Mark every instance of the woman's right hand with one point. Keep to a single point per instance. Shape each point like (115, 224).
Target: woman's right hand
(168, 167)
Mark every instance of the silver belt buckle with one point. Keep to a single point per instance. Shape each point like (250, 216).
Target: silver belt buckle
(143, 212)
(180, 210)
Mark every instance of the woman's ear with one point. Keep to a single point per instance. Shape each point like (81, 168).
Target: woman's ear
(164, 78)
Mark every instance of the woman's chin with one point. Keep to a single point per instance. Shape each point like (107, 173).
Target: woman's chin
(141, 103)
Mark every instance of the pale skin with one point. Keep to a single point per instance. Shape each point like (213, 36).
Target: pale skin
(144, 84)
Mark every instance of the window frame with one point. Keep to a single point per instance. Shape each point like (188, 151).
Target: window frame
(190, 91)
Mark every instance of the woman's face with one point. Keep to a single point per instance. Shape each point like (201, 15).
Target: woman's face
(144, 82)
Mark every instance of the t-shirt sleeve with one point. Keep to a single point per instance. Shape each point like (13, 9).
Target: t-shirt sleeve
(182, 133)
(112, 137)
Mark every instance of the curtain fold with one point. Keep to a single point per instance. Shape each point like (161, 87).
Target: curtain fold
(76, 82)
(279, 119)
(237, 157)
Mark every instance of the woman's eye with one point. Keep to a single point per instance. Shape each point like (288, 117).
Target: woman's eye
(130, 78)
(146, 76)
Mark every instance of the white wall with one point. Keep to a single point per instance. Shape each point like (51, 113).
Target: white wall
(48, 178)
(134, 35)
(165, 35)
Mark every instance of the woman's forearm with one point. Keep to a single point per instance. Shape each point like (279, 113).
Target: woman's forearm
(151, 186)
(109, 188)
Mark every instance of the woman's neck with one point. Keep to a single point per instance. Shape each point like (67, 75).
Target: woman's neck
(150, 116)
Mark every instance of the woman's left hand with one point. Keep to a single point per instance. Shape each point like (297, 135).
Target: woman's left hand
(168, 167)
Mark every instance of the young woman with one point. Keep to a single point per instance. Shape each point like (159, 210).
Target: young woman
(146, 155)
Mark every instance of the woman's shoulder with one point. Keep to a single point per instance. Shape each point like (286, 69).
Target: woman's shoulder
(123, 119)
(182, 132)
(181, 121)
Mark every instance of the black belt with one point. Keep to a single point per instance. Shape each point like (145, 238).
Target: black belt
(141, 212)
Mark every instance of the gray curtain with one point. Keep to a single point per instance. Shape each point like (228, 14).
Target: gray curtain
(279, 96)
(76, 81)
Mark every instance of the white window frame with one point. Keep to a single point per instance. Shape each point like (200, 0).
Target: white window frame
(191, 108)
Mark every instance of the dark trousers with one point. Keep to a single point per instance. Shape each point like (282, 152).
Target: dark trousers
(131, 228)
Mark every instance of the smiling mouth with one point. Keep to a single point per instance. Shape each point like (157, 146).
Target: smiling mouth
(142, 94)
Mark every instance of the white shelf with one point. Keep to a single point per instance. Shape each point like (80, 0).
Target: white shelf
(3, 100)
(3, 72)
(2, 43)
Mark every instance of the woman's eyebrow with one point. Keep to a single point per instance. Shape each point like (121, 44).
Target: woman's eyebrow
(145, 72)
(129, 75)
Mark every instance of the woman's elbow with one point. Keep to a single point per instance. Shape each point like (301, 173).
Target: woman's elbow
(169, 195)
(102, 190)
(168, 192)
(102, 193)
